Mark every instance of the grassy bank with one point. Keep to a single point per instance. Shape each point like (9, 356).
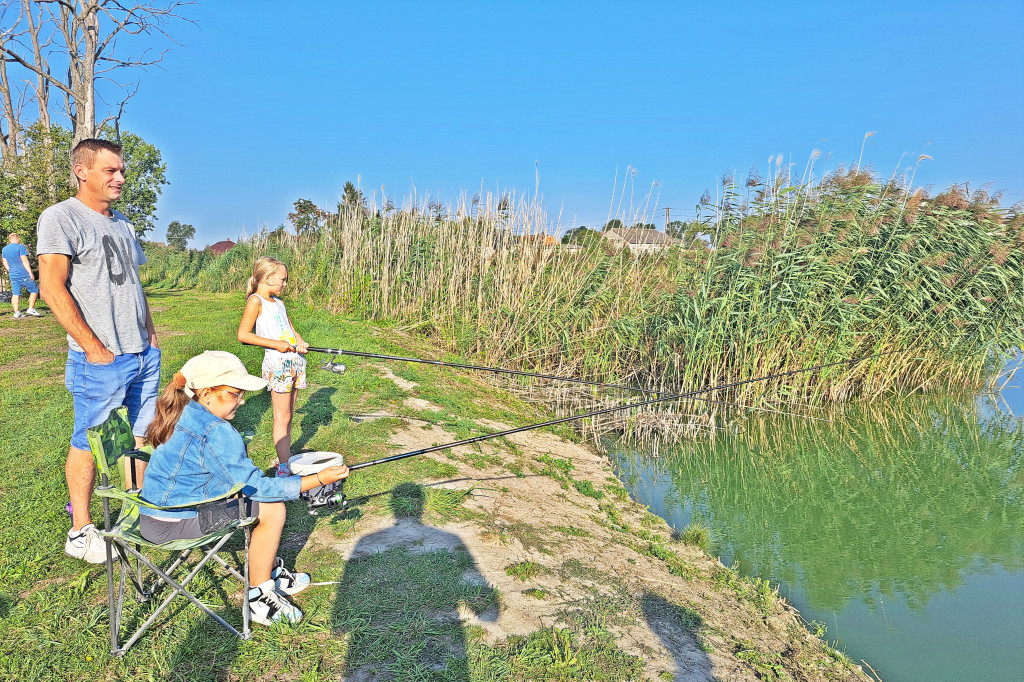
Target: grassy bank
(803, 275)
(518, 560)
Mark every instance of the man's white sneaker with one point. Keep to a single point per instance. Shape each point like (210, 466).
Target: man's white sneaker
(33, 312)
(267, 606)
(18, 314)
(86, 544)
(287, 582)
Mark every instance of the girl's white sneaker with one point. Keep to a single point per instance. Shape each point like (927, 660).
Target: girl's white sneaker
(267, 606)
(287, 582)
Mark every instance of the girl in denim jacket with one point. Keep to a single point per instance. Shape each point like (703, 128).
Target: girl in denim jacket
(199, 455)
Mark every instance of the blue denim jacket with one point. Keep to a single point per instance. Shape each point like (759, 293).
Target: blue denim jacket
(204, 458)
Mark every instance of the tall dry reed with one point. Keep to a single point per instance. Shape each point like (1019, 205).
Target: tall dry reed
(800, 274)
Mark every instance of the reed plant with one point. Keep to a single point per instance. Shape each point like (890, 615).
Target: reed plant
(794, 274)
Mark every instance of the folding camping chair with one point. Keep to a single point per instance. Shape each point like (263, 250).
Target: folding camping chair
(111, 441)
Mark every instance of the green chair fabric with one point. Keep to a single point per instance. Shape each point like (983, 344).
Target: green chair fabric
(112, 443)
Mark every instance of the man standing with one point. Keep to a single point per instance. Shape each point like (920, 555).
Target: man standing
(89, 260)
(15, 257)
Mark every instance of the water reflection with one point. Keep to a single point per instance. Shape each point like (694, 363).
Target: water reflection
(889, 503)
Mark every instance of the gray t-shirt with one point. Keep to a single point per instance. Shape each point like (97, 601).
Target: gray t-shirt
(103, 276)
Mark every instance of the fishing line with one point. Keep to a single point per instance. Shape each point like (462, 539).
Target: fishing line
(607, 410)
(330, 366)
(333, 495)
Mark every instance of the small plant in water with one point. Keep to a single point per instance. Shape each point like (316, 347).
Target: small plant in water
(697, 534)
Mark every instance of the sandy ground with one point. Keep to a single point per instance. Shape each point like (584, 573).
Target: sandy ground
(518, 515)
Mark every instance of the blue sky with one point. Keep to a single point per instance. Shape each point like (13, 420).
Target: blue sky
(263, 104)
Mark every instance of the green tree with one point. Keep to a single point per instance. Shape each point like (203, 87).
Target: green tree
(352, 200)
(308, 218)
(40, 176)
(28, 185)
(178, 234)
(144, 177)
(613, 224)
(686, 231)
(582, 236)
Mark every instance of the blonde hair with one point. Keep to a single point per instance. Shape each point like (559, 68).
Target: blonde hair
(263, 267)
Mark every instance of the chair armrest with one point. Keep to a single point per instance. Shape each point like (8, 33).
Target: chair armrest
(133, 498)
(142, 454)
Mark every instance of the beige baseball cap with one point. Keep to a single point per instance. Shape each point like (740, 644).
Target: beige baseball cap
(218, 368)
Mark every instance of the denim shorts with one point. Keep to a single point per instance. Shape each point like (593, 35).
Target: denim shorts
(132, 379)
(27, 282)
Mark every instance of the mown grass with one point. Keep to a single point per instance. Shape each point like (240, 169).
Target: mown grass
(392, 612)
(805, 272)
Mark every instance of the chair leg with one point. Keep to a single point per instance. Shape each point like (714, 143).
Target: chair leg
(114, 625)
(179, 588)
(246, 633)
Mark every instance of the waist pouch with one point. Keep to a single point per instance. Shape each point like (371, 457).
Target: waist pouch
(217, 515)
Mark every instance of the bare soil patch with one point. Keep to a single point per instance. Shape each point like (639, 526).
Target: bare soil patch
(591, 560)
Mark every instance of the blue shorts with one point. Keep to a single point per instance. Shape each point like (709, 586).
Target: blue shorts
(27, 282)
(132, 379)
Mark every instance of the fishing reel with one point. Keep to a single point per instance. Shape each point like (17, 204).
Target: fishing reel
(330, 496)
(332, 366)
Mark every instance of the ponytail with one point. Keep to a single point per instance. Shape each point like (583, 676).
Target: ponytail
(250, 288)
(169, 407)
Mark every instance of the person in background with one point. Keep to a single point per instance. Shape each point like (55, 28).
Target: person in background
(283, 365)
(89, 260)
(15, 258)
(199, 455)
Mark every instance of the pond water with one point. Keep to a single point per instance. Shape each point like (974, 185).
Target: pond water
(900, 526)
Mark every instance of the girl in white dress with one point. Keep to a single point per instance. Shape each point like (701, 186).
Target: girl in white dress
(284, 368)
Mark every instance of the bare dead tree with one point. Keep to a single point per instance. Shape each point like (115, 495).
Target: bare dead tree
(42, 85)
(79, 39)
(10, 105)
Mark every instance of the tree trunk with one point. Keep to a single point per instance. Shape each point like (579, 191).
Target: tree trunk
(8, 139)
(42, 86)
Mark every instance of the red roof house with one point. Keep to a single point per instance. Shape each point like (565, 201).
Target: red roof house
(222, 246)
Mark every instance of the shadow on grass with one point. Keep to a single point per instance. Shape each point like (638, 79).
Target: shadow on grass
(207, 651)
(316, 412)
(400, 596)
(678, 628)
(250, 415)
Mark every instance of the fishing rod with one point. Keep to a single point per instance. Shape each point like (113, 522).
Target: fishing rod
(333, 495)
(339, 369)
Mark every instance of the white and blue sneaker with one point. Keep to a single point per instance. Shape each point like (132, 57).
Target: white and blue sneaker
(87, 545)
(267, 606)
(286, 582)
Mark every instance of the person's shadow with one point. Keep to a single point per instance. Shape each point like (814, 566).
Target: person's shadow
(680, 630)
(316, 412)
(403, 596)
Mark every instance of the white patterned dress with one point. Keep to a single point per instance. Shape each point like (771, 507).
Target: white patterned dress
(283, 371)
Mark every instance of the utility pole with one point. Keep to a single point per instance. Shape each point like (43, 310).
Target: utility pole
(667, 218)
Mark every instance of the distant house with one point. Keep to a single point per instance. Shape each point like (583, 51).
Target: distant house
(222, 246)
(539, 239)
(637, 239)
